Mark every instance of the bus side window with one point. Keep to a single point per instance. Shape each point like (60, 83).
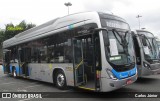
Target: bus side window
(33, 55)
(7, 57)
(68, 51)
(22, 57)
(28, 55)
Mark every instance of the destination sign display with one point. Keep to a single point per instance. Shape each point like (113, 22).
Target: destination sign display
(114, 24)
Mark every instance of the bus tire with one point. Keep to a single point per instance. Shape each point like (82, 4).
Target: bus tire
(14, 73)
(60, 80)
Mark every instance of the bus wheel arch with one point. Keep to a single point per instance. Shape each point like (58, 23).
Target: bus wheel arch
(59, 78)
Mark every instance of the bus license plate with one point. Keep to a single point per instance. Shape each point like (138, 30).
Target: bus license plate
(129, 81)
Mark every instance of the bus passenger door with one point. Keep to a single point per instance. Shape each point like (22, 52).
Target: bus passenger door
(24, 54)
(6, 62)
(78, 62)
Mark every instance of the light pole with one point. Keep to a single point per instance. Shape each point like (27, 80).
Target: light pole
(68, 4)
(138, 17)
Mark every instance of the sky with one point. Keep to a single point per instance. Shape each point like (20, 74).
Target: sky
(41, 11)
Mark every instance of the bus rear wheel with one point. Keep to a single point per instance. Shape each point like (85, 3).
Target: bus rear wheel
(60, 80)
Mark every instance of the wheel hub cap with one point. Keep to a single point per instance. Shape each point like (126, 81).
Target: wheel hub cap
(60, 80)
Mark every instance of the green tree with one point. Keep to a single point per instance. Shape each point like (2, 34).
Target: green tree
(30, 26)
(9, 33)
(12, 30)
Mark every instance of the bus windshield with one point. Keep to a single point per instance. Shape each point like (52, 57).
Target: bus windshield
(119, 49)
(158, 42)
(150, 46)
(118, 44)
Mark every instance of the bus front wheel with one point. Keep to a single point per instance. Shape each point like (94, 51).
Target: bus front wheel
(60, 80)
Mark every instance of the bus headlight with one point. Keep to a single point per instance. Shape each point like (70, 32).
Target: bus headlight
(146, 65)
(111, 75)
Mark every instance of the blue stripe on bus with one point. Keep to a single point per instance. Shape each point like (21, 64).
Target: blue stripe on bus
(3, 68)
(17, 70)
(125, 74)
(10, 68)
(20, 70)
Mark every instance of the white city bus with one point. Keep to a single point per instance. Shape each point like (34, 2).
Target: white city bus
(147, 52)
(89, 50)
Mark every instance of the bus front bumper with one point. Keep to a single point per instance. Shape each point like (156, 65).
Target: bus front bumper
(146, 71)
(110, 85)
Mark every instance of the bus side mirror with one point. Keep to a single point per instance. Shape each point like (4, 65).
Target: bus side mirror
(138, 59)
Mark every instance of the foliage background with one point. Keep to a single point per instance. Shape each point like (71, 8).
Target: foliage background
(11, 30)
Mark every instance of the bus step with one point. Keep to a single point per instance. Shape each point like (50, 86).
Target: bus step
(22, 75)
(25, 77)
(82, 83)
(10, 73)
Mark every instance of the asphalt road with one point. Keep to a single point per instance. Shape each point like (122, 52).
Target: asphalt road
(10, 84)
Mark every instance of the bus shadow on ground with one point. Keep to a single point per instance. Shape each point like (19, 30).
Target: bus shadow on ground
(124, 89)
(144, 80)
(73, 92)
(81, 93)
(28, 80)
(71, 89)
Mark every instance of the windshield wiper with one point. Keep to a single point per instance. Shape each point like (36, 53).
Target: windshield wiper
(123, 42)
(126, 36)
(114, 30)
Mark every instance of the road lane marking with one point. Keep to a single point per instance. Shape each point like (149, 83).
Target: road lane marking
(7, 83)
(69, 90)
(25, 99)
(23, 90)
(5, 90)
(32, 86)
